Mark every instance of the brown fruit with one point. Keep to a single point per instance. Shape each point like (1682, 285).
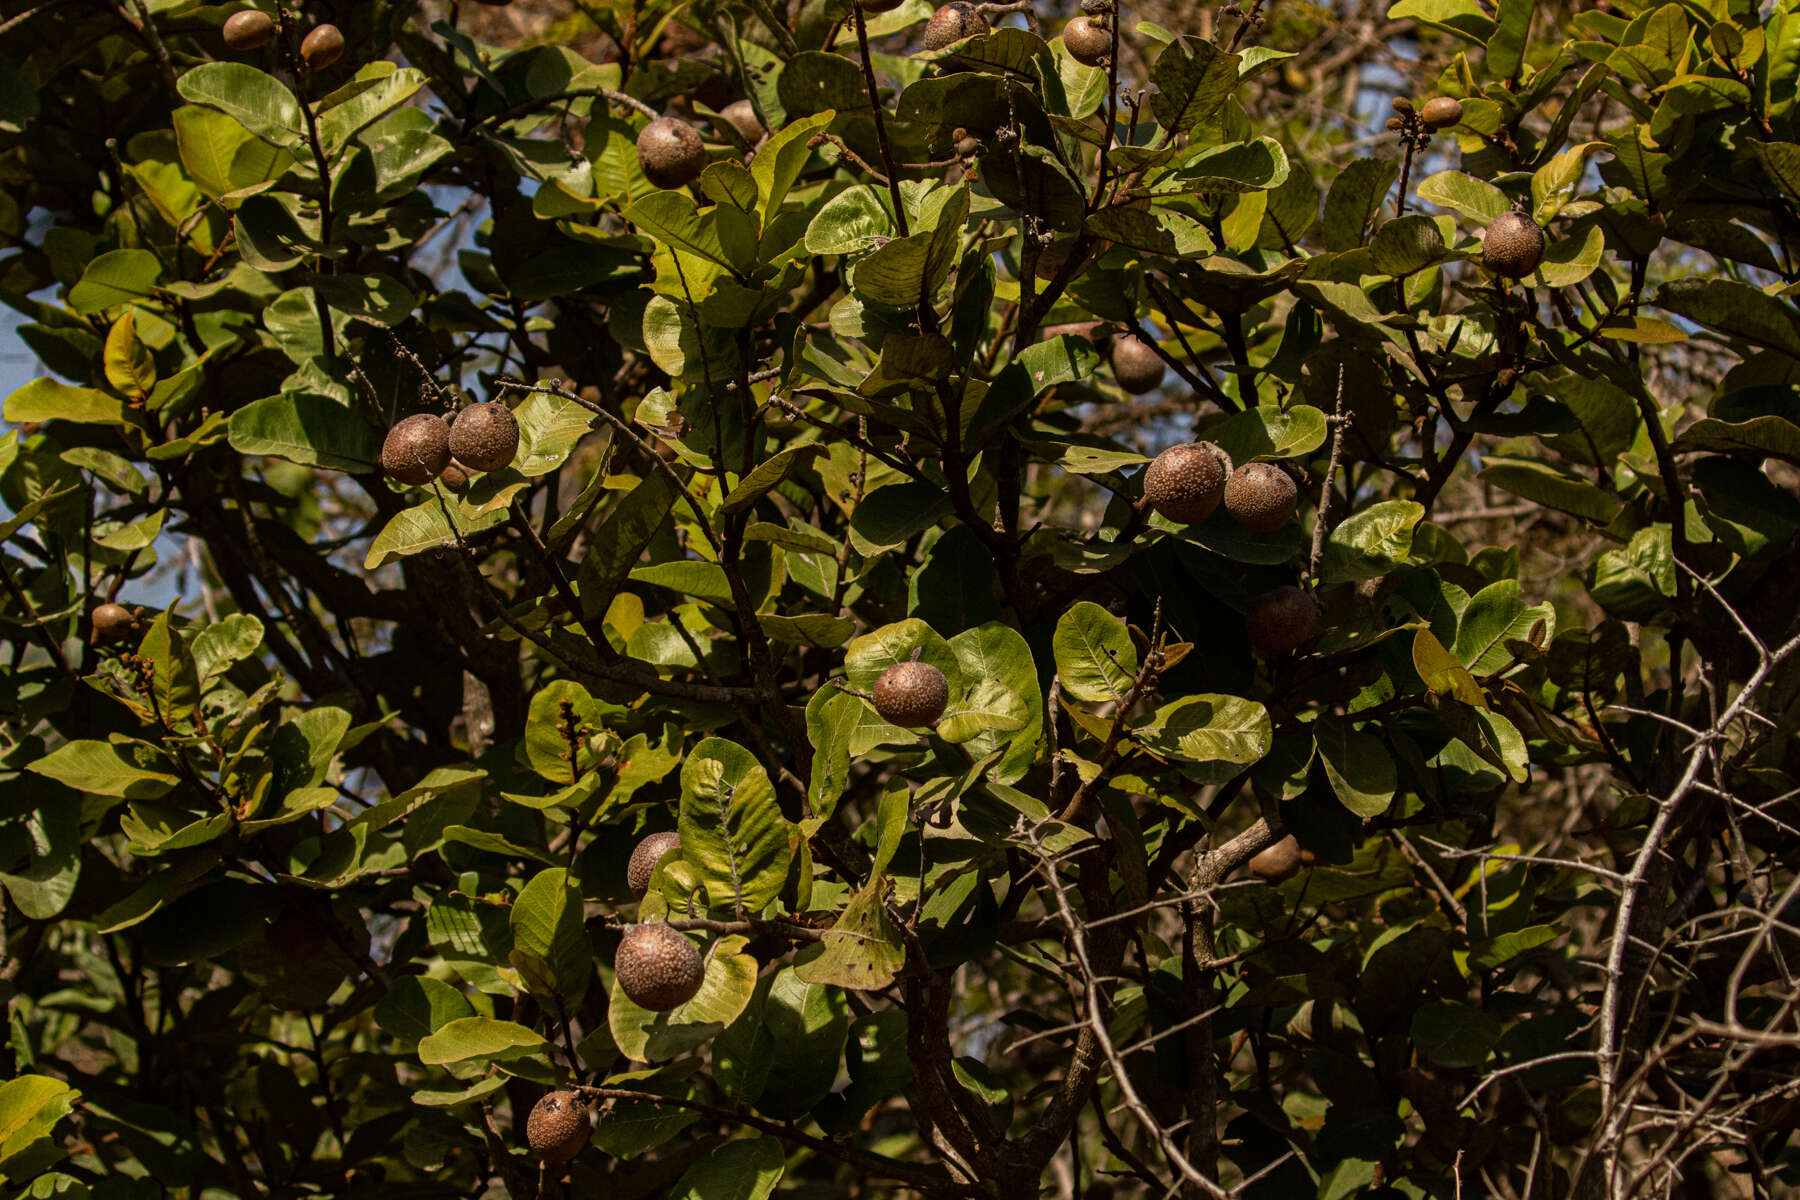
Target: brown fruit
(417, 449)
(1282, 621)
(558, 1127)
(1087, 41)
(322, 47)
(649, 852)
(1261, 496)
(669, 153)
(248, 30)
(112, 622)
(1513, 246)
(952, 23)
(1441, 112)
(1135, 364)
(658, 967)
(454, 477)
(741, 115)
(1402, 105)
(1395, 124)
(911, 694)
(1186, 482)
(485, 437)
(1279, 862)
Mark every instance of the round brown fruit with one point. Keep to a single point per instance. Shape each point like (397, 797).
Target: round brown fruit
(911, 695)
(658, 967)
(248, 30)
(1279, 862)
(1402, 105)
(952, 23)
(1135, 364)
(1261, 496)
(1282, 621)
(417, 449)
(645, 857)
(1087, 41)
(741, 116)
(1441, 112)
(1513, 246)
(485, 437)
(670, 153)
(321, 47)
(112, 622)
(1185, 483)
(558, 1127)
(454, 477)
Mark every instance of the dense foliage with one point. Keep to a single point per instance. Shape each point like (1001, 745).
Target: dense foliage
(318, 788)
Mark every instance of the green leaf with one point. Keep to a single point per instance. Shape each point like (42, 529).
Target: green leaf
(646, 1036)
(1495, 616)
(132, 770)
(369, 101)
(1442, 673)
(45, 399)
(704, 580)
(1736, 310)
(1373, 542)
(621, 539)
(1193, 79)
(1459, 18)
(415, 1006)
(1359, 765)
(849, 221)
(253, 99)
(1473, 198)
(862, 950)
(781, 158)
(1568, 261)
(424, 527)
(1000, 704)
(732, 831)
(1095, 659)
(1209, 728)
(479, 1037)
(1407, 244)
(116, 277)
(1455, 1035)
(1355, 198)
(1266, 432)
(767, 475)
(746, 1169)
(547, 923)
(30, 1107)
(1506, 46)
(832, 718)
(208, 141)
(174, 680)
(129, 367)
(314, 431)
(1542, 483)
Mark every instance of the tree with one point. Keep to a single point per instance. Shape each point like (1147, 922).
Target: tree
(1363, 764)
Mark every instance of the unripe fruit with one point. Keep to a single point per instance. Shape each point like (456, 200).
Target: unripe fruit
(1186, 482)
(952, 23)
(670, 153)
(322, 47)
(1135, 364)
(1279, 862)
(741, 115)
(248, 30)
(417, 449)
(1402, 105)
(112, 622)
(649, 852)
(1282, 621)
(1441, 112)
(1087, 41)
(1395, 124)
(1261, 496)
(558, 1127)
(911, 694)
(1513, 246)
(485, 437)
(658, 967)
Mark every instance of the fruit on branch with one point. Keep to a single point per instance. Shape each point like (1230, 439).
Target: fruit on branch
(1186, 482)
(952, 23)
(558, 1127)
(454, 477)
(741, 115)
(1513, 246)
(644, 858)
(416, 449)
(1261, 496)
(1087, 41)
(485, 437)
(1441, 112)
(658, 967)
(1135, 364)
(112, 622)
(911, 695)
(1282, 621)
(322, 47)
(248, 30)
(1279, 862)
(669, 153)
(1403, 106)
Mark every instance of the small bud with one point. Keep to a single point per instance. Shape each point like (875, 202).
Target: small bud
(1395, 123)
(1403, 106)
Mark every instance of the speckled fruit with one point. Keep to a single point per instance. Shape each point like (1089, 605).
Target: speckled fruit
(1441, 112)
(416, 449)
(1135, 364)
(670, 153)
(1513, 246)
(1282, 621)
(741, 115)
(649, 852)
(248, 30)
(112, 622)
(1185, 483)
(485, 437)
(911, 694)
(1087, 41)
(952, 23)
(558, 1127)
(1279, 862)
(658, 967)
(1261, 496)
(322, 47)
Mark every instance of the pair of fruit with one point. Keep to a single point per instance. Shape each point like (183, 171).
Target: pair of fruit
(252, 28)
(1186, 483)
(483, 437)
(1440, 112)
